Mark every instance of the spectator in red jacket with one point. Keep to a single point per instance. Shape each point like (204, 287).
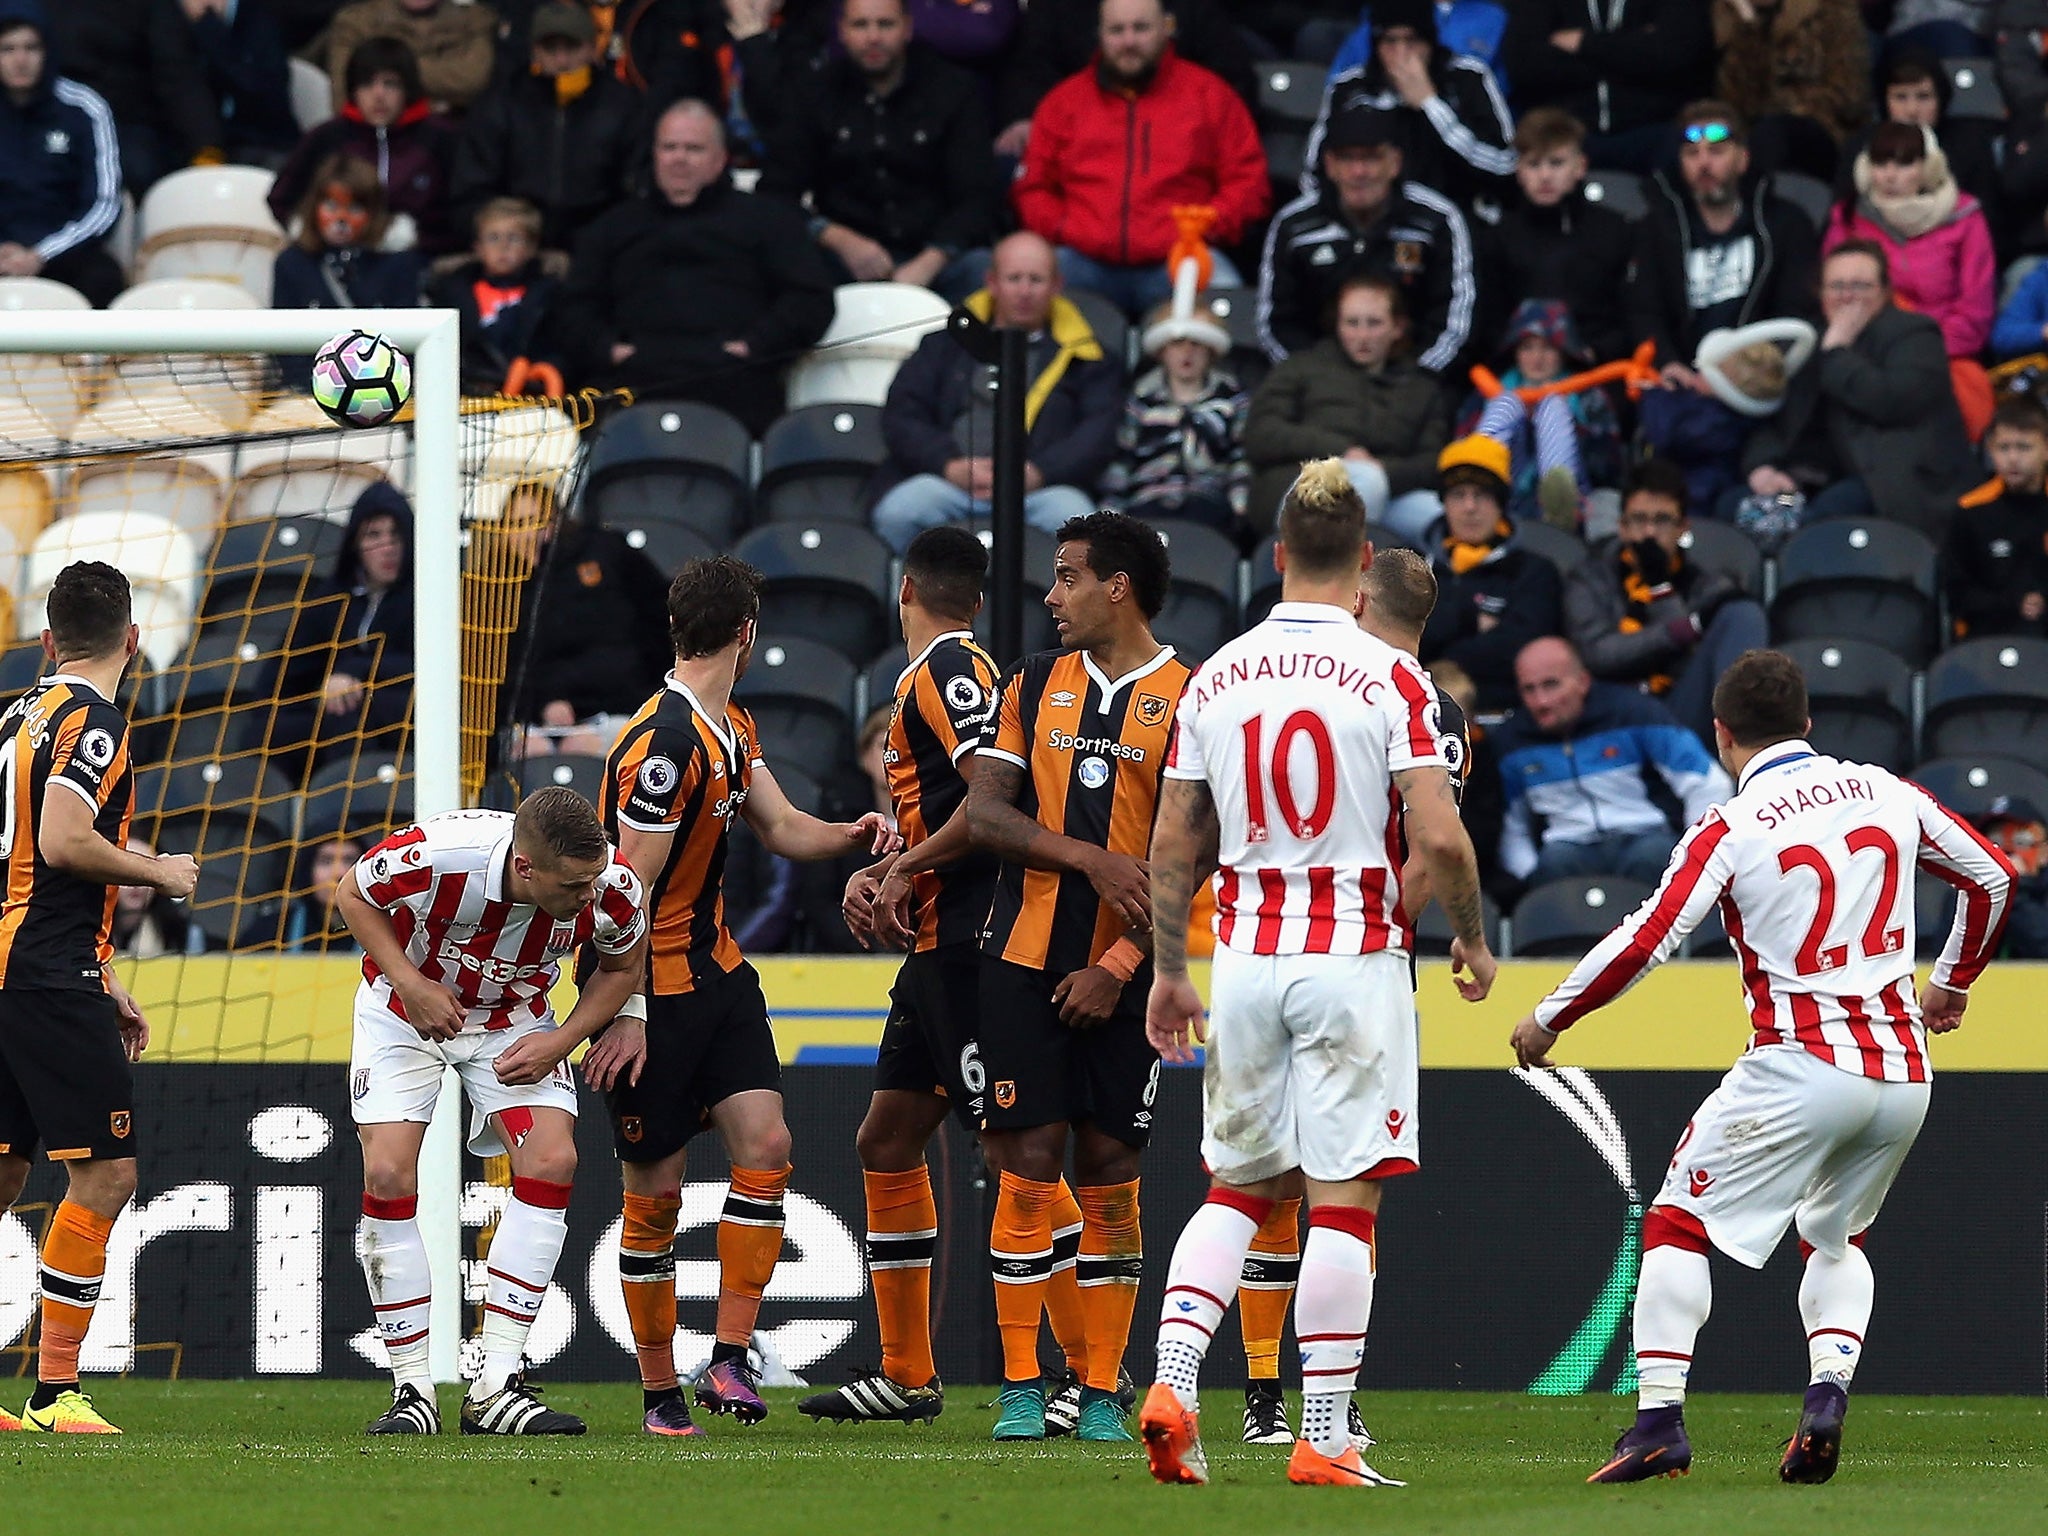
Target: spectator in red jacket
(1115, 148)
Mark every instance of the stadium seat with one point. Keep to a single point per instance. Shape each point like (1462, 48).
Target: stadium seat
(186, 490)
(876, 688)
(240, 900)
(1812, 197)
(1286, 153)
(21, 666)
(1038, 633)
(1201, 603)
(1236, 310)
(163, 614)
(312, 94)
(266, 564)
(1709, 940)
(801, 695)
(1934, 913)
(1621, 191)
(366, 797)
(24, 506)
(1264, 581)
(287, 480)
(1990, 691)
(800, 789)
(571, 770)
(1857, 580)
(673, 462)
(816, 464)
(1860, 696)
(535, 443)
(233, 791)
(41, 394)
(233, 659)
(828, 582)
(1973, 90)
(671, 546)
(1433, 931)
(292, 431)
(875, 326)
(1112, 329)
(163, 734)
(1725, 550)
(226, 386)
(1566, 917)
(211, 222)
(1291, 91)
(1972, 784)
(1563, 550)
(145, 545)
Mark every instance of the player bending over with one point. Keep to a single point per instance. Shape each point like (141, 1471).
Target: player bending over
(1066, 781)
(1396, 594)
(1297, 745)
(68, 1029)
(931, 899)
(1811, 864)
(699, 1050)
(462, 919)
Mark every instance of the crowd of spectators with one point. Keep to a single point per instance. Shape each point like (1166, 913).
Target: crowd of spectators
(1832, 248)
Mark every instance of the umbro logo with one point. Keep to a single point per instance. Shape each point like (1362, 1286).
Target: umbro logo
(1061, 699)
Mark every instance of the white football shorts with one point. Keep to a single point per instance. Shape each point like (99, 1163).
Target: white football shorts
(1311, 1064)
(1787, 1137)
(395, 1074)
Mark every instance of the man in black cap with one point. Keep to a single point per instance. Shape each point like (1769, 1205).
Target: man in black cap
(1367, 217)
(1452, 121)
(563, 134)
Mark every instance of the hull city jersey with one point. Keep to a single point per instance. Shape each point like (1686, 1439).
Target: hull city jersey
(1092, 749)
(62, 737)
(1298, 726)
(678, 768)
(943, 699)
(1811, 864)
(443, 883)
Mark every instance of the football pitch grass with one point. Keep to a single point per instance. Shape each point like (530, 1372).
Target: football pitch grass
(289, 1456)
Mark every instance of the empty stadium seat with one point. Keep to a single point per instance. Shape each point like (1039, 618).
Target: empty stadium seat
(1566, 917)
(21, 666)
(211, 222)
(24, 506)
(230, 660)
(1725, 550)
(1973, 90)
(671, 546)
(312, 94)
(41, 394)
(1972, 784)
(1992, 691)
(816, 464)
(875, 326)
(1811, 196)
(1201, 603)
(1112, 329)
(1860, 696)
(1237, 311)
(1433, 931)
(1859, 580)
(366, 797)
(569, 770)
(800, 693)
(243, 873)
(291, 480)
(228, 386)
(1037, 631)
(1286, 153)
(1291, 91)
(1563, 550)
(876, 689)
(234, 791)
(527, 442)
(1622, 191)
(672, 462)
(291, 437)
(187, 490)
(146, 546)
(828, 582)
(267, 564)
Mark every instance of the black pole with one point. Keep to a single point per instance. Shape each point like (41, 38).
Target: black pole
(1006, 511)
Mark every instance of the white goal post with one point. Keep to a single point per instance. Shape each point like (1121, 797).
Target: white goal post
(430, 337)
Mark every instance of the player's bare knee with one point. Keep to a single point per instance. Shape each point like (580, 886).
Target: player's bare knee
(553, 1162)
(103, 1185)
(390, 1178)
(13, 1175)
(767, 1146)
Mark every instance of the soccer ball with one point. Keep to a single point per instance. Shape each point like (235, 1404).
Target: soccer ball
(361, 380)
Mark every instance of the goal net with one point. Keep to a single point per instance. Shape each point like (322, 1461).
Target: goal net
(325, 616)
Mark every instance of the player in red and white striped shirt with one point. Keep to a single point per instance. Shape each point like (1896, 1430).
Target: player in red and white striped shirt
(463, 920)
(1296, 748)
(1811, 865)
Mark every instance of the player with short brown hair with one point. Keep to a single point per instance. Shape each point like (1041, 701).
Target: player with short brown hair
(68, 1029)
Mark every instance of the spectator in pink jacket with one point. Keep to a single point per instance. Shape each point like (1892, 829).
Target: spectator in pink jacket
(1115, 147)
(1933, 233)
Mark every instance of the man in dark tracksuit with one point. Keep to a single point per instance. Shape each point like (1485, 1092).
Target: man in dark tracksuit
(60, 165)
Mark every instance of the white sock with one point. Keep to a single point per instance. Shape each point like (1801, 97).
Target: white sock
(1332, 1307)
(394, 1260)
(1200, 1281)
(1674, 1294)
(1834, 1301)
(522, 1261)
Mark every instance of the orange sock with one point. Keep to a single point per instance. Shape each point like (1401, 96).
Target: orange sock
(749, 1243)
(903, 1229)
(1020, 1257)
(1112, 1264)
(1063, 1291)
(647, 1274)
(74, 1263)
(1266, 1286)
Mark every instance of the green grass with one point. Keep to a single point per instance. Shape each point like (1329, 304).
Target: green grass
(289, 1457)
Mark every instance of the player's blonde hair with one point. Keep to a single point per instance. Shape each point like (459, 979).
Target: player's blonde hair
(1322, 520)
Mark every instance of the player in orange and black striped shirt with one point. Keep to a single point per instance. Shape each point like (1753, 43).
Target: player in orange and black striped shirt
(68, 1030)
(1065, 785)
(704, 1052)
(931, 899)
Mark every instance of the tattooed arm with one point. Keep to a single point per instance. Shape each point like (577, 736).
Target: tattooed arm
(1437, 836)
(1183, 856)
(997, 825)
